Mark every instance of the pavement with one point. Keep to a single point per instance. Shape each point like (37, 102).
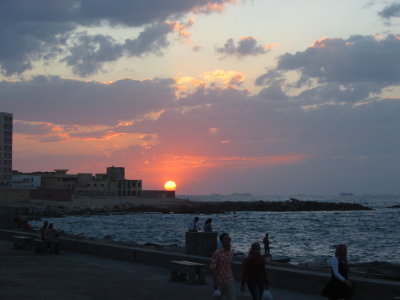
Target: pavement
(74, 276)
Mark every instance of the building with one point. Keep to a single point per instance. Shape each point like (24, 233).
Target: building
(112, 183)
(21, 180)
(6, 130)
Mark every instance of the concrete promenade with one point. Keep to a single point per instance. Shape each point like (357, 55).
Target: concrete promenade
(75, 276)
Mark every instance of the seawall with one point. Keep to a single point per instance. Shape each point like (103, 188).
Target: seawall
(280, 276)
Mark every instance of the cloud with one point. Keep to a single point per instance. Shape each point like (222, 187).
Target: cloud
(339, 70)
(23, 43)
(89, 53)
(357, 59)
(79, 102)
(31, 31)
(152, 39)
(247, 46)
(390, 11)
(143, 126)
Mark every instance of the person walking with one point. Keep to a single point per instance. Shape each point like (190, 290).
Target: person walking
(339, 286)
(221, 266)
(254, 273)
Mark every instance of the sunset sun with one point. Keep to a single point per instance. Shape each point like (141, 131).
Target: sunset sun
(170, 186)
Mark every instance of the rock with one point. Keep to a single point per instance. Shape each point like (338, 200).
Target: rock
(395, 206)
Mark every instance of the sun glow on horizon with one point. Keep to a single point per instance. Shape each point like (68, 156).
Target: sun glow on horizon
(170, 186)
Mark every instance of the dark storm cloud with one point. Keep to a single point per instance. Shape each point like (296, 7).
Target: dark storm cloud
(38, 30)
(390, 11)
(246, 46)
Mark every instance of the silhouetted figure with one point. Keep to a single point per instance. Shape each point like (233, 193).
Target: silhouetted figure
(208, 225)
(21, 224)
(51, 236)
(266, 244)
(254, 273)
(194, 225)
(339, 286)
(43, 229)
(221, 266)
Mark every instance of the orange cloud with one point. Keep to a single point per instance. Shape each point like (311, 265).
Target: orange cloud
(184, 34)
(320, 43)
(270, 46)
(218, 78)
(213, 7)
(213, 130)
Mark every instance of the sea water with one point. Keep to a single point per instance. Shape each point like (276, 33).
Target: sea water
(306, 236)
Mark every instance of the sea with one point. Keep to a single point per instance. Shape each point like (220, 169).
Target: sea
(303, 237)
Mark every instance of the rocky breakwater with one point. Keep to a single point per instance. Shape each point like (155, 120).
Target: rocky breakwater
(181, 206)
(282, 206)
(191, 207)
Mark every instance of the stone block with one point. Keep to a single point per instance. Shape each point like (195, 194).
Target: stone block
(200, 243)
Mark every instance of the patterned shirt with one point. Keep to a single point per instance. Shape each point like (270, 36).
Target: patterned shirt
(221, 263)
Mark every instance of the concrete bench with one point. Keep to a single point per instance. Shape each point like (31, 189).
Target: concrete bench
(187, 270)
(22, 242)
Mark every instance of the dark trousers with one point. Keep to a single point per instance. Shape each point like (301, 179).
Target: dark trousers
(256, 289)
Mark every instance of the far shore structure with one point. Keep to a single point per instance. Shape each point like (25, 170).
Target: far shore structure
(58, 185)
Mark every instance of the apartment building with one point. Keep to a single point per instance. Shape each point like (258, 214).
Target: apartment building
(6, 130)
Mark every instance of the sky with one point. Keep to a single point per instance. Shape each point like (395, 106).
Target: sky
(220, 96)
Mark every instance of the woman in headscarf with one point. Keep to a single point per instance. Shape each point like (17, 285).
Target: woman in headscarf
(339, 286)
(254, 273)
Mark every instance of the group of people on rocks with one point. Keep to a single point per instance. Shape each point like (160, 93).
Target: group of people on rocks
(50, 235)
(255, 277)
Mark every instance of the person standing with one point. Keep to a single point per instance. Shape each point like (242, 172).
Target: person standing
(43, 229)
(208, 225)
(339, 286)
(221, 266)
(266, 244)
(254, 273)
(194, 225)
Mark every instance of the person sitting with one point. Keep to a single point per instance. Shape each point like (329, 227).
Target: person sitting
(194, 225)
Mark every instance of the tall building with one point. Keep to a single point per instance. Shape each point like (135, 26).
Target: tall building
(6, 129)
